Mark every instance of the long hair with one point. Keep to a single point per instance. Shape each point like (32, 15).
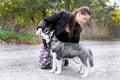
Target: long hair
(72, 22)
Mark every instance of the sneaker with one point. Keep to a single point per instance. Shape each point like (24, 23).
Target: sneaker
(66, 62)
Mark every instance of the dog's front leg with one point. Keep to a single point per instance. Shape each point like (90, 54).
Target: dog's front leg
(59, 66)
(54, 65)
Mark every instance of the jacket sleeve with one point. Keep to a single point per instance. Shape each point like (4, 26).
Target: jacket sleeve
(53, 19)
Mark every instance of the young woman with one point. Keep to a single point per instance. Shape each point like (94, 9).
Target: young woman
(67, 26)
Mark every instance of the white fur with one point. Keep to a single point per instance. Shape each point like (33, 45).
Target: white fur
(57, 64)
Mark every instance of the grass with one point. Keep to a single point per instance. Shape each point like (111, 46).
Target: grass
(15, 38)
(99, 38)
(7, 37)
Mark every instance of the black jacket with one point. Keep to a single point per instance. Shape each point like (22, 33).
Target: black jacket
(58, 22)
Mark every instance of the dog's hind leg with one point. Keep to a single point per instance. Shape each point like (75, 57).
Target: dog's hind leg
(59, 66)
(85, 71)
(91, 63)
(54, 65)
(84, 63)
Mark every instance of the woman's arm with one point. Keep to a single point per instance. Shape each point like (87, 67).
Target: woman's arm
(49, 20)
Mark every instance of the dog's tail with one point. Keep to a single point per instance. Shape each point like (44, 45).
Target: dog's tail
(91, 63)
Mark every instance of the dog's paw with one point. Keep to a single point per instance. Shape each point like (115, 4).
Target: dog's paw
(58, 72)
(52, 71)
(84, 75)
(92, 69)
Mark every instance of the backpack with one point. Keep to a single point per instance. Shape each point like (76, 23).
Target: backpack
(45, 58)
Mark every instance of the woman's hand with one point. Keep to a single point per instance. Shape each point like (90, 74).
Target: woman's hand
(39, 31)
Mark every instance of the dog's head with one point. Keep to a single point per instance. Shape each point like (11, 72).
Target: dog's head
(46, 36)
(51, 40)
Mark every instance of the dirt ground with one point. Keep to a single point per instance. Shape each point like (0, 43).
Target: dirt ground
(20, 62)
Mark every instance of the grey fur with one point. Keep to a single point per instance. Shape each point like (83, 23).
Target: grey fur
(61, 50)
(71, 50)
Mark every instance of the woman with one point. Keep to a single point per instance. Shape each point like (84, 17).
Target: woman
(67, 26)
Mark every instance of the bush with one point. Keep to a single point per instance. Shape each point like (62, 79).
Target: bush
(10, 37)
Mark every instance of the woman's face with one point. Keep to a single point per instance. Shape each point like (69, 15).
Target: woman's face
(82, 18)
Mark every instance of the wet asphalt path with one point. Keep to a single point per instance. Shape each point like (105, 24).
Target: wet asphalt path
(20, 62)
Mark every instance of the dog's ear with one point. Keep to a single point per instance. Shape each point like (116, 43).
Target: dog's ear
(42, 35)
(52, 33)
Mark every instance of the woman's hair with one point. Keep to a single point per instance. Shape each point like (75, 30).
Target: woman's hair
(72, 22)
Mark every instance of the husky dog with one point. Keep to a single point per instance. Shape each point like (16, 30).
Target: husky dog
(61, 50)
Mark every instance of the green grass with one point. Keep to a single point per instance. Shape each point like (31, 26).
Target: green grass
(11, 37)
(5, 35)
(91, 37)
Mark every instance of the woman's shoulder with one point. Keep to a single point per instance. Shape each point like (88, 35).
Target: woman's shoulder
(66, 12)
(62, 12)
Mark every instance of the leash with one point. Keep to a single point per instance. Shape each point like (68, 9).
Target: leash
(80, 69)
(76, 61)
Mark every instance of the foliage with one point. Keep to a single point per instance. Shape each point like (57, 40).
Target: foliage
(11, 37)
(100, 13)
(22, 15)
(116, 17)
